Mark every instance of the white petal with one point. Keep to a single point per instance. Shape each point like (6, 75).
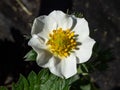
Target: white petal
(81, 28)
(43, 57)
(64, 68)
(85, 50)
(43, 25)
(37, 42)
(54, 66)
(63, 20)
(69, 66)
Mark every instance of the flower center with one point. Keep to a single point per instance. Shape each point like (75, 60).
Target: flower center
(62, 42)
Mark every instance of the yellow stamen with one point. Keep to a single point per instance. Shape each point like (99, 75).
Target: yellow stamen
(62, 42)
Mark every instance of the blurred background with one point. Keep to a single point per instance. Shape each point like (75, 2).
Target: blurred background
(16, 17)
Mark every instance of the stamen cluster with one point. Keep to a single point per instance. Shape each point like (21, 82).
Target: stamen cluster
(62, 42)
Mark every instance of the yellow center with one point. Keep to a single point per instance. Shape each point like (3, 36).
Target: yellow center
(62, 42)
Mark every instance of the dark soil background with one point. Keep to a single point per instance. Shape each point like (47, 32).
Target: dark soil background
(16, 17)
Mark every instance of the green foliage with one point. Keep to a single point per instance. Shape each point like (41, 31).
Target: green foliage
(77, 14)
(100, 58)
(86, 87)
(44, 80)
(83, 83)
(3, 88)
(31, 56)
(22, 84)
(82, 69)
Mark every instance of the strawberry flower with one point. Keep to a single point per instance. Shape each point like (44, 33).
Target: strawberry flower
(61, 41)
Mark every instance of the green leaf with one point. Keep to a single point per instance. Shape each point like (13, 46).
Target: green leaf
(44, 80)
(49, 81)
(22, 84)
(32, 78)
(85, 87)
(31, 56)
(3, 88)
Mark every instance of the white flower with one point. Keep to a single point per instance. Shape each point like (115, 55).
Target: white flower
(61, 41)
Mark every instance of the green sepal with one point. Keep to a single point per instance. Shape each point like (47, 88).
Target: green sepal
(30, 56)
(82, 69)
